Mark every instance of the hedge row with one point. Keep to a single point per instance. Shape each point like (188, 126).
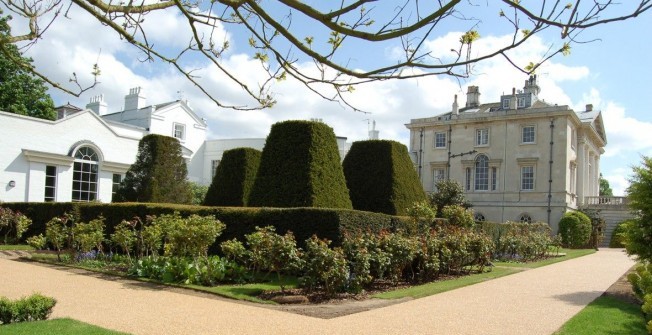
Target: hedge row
(303, 222)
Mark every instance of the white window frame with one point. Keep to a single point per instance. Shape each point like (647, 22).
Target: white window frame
(53, 178)
(520, 102)
(86, 172)
(506, 103)
(175, 130)
(573, 138)
(214, 164)
(438, 174)
(481, 174)
(525, 218)
(479, 137)
(437, 143)
(534, 134)
(530, 180)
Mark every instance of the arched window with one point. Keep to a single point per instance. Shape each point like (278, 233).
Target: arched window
(525, 218)
(479, 217)
(482, 173)
(84, 178)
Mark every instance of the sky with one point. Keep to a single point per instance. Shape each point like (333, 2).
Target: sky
(611, 71)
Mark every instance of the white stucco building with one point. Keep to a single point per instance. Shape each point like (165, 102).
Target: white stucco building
(84, 154)
(518, 159)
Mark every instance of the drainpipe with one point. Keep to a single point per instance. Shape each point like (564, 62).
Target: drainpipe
(552, 134)
(448, 163)
(420, 154)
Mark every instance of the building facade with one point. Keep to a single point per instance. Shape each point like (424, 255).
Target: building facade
(518, 159)
(85, 153)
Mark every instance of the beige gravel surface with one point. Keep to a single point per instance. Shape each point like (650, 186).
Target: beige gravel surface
(536, 301)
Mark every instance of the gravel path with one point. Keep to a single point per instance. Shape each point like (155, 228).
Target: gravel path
(536, 301)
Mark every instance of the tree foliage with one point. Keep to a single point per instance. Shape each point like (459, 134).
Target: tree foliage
(20, 92)
(605, 188)
(158, 175)
(638, 232)
(449, 193)
(286, 35)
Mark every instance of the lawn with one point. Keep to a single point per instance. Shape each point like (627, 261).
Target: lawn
(570, 254)
(501, 269)
(15, 247)
(54, 327)
(606, 315)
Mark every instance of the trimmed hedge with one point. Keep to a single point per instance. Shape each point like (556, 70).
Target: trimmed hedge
(381, 178)
(617, 238)
(234, 178)
(300, 167)
(159, 173)
(303, 222)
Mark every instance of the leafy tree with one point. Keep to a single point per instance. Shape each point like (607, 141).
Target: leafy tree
(449, 193)
(605, 189)
(21, 92)
(158, 175)
(333, 35)
(638, 232)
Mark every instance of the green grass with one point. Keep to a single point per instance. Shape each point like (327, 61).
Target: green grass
(570, 254)
(606, 315)
(445, 285)
(15, 247)
(501, 269)
(54, 327)
(249, 292)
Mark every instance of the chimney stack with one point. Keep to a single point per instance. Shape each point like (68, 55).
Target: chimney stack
(589, 107)
(373, 133)
(98, 105)
(456, 107)
(473, 96)
(513, 100)
(134, 100)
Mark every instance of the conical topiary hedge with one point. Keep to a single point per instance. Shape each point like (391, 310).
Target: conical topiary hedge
(234, 178)
(381, 178)
(300, 167)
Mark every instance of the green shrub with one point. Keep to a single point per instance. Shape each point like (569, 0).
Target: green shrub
(87, 236)
(641, 281)
(33, 308)
(300, 167)
(234, 178)
(13, 225)
(358, 260)
(458, 216)
(125, 236)
(325, 267)
(159, 173)
(272, 252)
(381, 178)
(57, 233)
(521, 241)
(618, 235)
(190, 236)
(575, 229)
(448, 192)
(37, 242)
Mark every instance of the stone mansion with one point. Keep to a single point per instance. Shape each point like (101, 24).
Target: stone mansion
(518, 159)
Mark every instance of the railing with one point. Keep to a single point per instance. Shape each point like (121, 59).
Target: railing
(606, 201)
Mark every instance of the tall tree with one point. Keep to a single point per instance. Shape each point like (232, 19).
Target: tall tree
(20, 91)
(638, 232)
(158, 175)
(605, 188)
(335, 36)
